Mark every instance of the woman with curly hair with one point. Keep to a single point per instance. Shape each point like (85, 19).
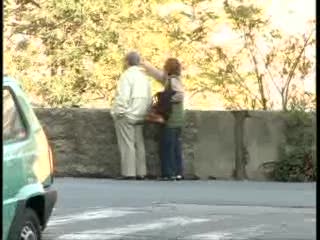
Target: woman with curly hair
(170, 139)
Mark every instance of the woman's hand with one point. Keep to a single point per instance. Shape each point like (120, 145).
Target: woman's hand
(153, 72)
(144, 63)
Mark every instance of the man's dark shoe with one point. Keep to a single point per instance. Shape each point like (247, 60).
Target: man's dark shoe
(141, 178)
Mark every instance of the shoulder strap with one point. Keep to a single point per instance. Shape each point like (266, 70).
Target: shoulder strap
(170, 81)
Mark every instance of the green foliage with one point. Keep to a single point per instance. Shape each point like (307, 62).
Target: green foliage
(297, 155)
(69, 52)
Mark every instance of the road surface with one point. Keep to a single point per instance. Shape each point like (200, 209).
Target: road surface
(103, 209)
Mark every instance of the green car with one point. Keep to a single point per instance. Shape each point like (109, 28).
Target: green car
(28, 195)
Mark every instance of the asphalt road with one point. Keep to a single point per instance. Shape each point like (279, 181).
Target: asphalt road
(95, 209)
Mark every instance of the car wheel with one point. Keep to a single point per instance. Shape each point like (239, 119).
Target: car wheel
(30, 229)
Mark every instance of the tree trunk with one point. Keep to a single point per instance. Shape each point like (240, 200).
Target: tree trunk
(240, 161)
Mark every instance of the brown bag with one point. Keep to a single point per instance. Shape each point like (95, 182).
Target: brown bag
(161, 106)
(155, 118)
(154, 114)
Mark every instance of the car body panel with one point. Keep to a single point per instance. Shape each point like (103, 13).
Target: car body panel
(27, 162)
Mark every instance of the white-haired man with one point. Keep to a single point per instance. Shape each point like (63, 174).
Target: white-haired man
(132, 101)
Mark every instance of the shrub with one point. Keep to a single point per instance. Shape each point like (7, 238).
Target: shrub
(297, 154)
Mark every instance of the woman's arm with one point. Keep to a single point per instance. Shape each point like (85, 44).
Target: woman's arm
(154, 72)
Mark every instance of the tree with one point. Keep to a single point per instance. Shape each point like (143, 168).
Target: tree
(242, 73)
(253, 72)
(69, 52)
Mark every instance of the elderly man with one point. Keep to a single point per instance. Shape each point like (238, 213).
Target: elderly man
(132, 101)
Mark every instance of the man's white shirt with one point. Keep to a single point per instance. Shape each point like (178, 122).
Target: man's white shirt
(133, 95)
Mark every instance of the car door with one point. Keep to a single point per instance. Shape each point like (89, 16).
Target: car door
(17, 152)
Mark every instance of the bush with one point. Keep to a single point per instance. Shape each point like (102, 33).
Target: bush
(297, 156)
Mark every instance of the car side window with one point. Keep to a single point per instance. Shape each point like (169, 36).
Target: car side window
(13, 128)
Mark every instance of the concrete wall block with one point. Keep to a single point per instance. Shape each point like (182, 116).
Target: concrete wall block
(263, 134)
(215, 147)
(83, 140)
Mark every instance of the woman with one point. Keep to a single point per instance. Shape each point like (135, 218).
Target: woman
(170, 140)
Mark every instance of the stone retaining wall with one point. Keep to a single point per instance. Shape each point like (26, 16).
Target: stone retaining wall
(216, 144)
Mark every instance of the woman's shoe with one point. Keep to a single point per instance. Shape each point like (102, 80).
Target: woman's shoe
(164, 179)
(168, 178)
(179, 177)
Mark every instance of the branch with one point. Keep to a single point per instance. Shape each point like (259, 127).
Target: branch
(258, 75)
(263, 100)
(294, 66)
(35, 27)
(200, 88)
(268, 70)
(34, 3)
(228, 62)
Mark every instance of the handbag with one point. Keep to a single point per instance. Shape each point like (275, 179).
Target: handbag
(161, 106)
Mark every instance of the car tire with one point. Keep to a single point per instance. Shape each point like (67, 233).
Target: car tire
(30, 229)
